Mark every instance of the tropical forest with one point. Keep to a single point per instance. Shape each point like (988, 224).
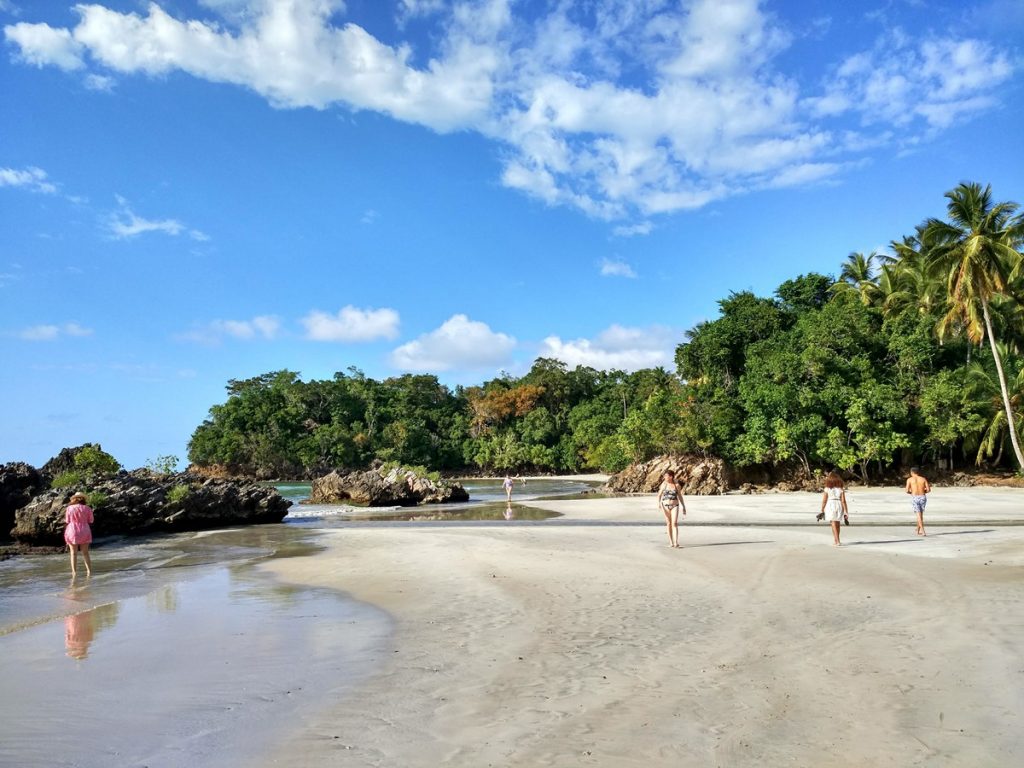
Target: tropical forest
(915, 355)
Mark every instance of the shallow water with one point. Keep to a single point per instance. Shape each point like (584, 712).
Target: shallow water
(179, 651)
(486, 502)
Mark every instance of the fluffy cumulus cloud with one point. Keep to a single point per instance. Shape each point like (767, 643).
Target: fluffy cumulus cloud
(460, 344)
(620, 109)
(617, 347)
(32, 179)
(51, 332)
(351, 324)
(263, 327)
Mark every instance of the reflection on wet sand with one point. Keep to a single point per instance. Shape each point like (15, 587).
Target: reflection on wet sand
(473, 514)
(80, 628)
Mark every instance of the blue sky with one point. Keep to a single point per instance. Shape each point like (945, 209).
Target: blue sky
(198, 190)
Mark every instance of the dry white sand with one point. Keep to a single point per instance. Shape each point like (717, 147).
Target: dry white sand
(585, 640)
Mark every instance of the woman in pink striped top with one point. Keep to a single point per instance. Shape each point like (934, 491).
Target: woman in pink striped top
(78, 534)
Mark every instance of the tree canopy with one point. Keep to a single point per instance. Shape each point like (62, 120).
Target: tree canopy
(916, 356)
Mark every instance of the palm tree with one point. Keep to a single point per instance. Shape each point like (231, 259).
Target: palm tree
(907, 283)
(858, 273)
(977, 252)
(982, 386)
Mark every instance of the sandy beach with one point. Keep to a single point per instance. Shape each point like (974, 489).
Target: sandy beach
(585, 640)
(578, 640)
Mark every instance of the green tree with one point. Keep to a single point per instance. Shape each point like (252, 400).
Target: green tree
(977, 250)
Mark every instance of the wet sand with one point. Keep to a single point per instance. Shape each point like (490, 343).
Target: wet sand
(177, 652)
(585, 640)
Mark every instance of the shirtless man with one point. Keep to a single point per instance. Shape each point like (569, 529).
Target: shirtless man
(917, 487)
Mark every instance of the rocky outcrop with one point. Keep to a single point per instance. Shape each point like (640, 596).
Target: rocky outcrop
(698, 475)
(396, 487)
(63, 461)
(19, 482)
(144, 502)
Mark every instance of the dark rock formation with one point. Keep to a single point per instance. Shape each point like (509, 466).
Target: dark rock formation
(63, 462)
(19, 482)
(144, 502)
(697, 475)
(382, 487)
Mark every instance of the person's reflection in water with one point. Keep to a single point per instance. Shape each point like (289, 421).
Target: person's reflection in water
(79, 630)
(509, 514)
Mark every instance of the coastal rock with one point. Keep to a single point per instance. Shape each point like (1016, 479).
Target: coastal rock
(961, 480)
(143, 502)
(19, 482)
(384, 487)
(63, 461)
(698, 475)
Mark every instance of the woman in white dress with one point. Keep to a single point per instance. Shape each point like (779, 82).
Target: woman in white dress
(833, 504)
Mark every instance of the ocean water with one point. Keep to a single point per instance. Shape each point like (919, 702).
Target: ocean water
(486, 502)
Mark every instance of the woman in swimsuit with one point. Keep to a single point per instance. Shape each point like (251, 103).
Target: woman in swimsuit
(670, 496)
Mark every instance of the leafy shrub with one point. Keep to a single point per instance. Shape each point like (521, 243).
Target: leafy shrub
(163, 465)
(178, 493)
(94, 461)
(417, 470)
(91, 463)
(96, 499)
(71, 479)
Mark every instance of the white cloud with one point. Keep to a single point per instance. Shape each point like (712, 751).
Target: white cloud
(41, 44)
(265, 327)
(103, 83)
(627, 110)
(125, 224)
(31, 178)
(411, 9)
(51, 332)
(617, 347)
(902, 81)
(631, 230)
(460, 343)
(611, 268)
(288, 52)
(352, 324)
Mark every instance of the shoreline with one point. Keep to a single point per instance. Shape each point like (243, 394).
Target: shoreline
(579, 640)
(174, 659)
